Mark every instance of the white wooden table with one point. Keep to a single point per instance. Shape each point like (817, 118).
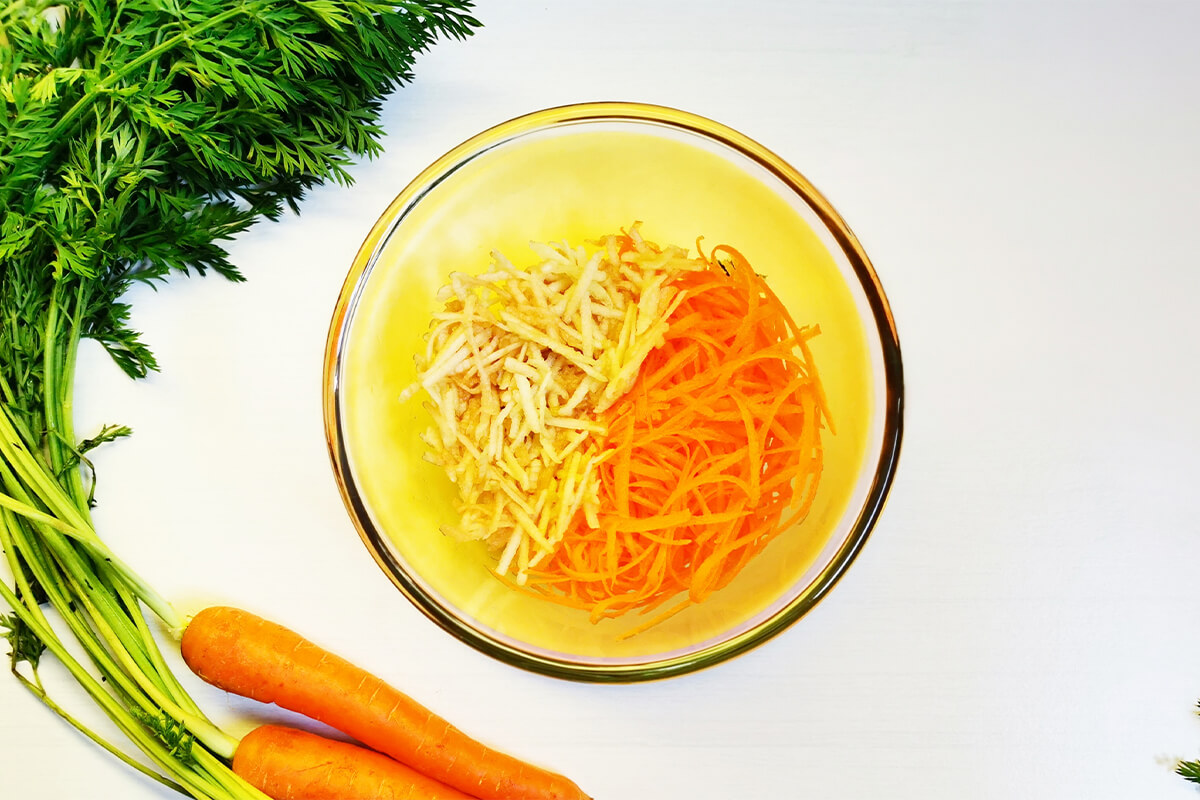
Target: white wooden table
(1022, 623)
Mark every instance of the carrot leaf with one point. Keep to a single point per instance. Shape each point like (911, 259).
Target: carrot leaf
(23, 643)
(1189, 770)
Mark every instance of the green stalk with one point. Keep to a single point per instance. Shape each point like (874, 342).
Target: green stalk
(75, 566)
(27, 470)
(230, 781)
(49, 393)
(127, 650)
(35, 475)
(20, 575)
(86, 537)
(54, 398)
(151, 703)
(65, 422)
(29, 512)
(37, 691)
(54, 576)
(14, 542)
(16, 545)
(124, 639)
(54, 586)
(124, 660)
(169, 682)
(121, 627)
(60, 393)
(212, 737)
(199, 785)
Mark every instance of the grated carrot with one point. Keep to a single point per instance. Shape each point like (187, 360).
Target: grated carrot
(714, 450)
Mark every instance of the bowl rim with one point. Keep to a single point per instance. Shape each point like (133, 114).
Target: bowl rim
(657, 668)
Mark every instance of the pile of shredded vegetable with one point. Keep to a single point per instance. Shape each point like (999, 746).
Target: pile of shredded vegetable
(714, 450)
(519, 367)
(689, 437)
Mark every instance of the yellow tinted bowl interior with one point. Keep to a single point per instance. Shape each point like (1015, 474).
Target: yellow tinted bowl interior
(579, 184)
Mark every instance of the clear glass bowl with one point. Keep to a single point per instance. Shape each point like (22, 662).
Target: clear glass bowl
(576, 173)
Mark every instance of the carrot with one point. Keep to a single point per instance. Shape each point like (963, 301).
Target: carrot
(252, 657)
(710, 455)
(289, 764)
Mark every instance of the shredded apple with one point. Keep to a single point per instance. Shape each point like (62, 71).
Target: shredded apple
(627, 427)
(520, 365)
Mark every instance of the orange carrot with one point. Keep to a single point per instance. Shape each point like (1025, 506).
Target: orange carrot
(252, 657)
(289, 764)
(713, 451)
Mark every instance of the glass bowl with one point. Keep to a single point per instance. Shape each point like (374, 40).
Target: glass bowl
(576, 173)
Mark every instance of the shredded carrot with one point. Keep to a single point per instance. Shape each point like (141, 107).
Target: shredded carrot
(712, 453)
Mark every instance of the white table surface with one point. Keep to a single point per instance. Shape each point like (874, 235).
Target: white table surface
(1022, 622)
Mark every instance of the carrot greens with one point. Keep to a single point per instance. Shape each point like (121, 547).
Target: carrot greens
(135, 138)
